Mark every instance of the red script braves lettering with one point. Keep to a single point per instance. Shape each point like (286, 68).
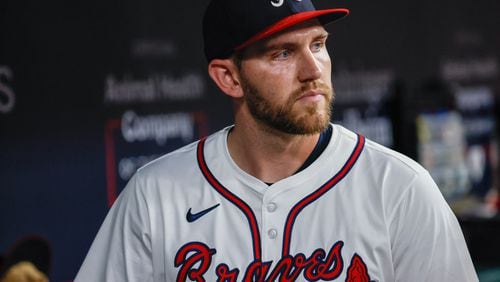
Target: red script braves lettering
(194, 260)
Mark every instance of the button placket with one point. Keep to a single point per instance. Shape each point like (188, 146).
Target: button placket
(271, 228)
(271, 207)
(272, 233)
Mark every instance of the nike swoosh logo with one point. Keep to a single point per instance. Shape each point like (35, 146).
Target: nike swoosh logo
(190, 217)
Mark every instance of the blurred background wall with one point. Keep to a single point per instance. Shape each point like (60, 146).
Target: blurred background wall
(92, 90)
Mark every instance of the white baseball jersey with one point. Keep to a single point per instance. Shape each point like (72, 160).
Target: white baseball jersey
(359, 212)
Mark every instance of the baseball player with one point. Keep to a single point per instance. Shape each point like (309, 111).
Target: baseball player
(283, 194)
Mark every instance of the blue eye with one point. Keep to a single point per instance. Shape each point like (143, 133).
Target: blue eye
(282, 55)
(317, 46)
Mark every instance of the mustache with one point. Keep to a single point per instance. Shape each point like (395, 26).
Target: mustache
(313, 86)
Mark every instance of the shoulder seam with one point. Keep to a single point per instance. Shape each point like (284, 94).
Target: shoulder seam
(397, 156)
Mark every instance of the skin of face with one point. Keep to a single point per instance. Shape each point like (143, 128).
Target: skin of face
(287, 80)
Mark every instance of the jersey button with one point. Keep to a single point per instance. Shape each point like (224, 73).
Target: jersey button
(271, 207)
(272, 233)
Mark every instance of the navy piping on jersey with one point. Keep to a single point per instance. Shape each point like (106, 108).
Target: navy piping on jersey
(324, 139)
(247, 211)
(287, 234)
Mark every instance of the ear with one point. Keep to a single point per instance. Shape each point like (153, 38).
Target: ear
(226, 75)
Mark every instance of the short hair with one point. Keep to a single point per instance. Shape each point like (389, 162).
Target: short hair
(237, 57)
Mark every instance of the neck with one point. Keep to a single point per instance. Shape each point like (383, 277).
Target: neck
(268, 154)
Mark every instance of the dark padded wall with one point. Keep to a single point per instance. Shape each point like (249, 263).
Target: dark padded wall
(90, 91)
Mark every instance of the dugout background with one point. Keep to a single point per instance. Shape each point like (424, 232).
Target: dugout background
(89, 91)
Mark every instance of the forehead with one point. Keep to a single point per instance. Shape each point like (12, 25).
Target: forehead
(296, 34)
(310, 28)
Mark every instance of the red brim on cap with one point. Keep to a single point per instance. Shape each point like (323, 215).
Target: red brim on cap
(291, 21)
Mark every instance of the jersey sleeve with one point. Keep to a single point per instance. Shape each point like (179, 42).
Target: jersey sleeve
(121, 250)
(427, 241)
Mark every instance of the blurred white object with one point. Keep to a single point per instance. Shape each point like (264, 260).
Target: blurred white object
(441, 147)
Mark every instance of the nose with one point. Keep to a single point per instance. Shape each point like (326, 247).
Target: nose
(310, 67)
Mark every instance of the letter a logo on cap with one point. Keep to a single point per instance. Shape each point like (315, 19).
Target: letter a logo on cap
(277, 4)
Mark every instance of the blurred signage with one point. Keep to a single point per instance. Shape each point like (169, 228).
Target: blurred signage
(361, 102)
(136, 139)
(7, 95)
(157, 87)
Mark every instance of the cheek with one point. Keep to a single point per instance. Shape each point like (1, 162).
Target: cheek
(277, 73)
(275, 81)
(326, 63)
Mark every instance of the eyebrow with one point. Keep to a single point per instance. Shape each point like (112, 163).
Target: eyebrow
(289, 44)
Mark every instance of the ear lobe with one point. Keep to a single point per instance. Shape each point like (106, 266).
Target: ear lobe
(225, 74)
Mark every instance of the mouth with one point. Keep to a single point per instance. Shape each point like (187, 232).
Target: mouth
(311, 96)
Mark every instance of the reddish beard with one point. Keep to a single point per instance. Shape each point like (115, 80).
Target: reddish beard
(284, 117)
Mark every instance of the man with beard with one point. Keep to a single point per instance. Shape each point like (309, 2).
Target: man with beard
(283, 194)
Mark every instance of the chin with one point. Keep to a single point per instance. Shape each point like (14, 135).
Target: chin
(309, 125)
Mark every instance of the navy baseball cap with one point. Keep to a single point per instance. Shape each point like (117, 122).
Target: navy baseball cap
(232, 25)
